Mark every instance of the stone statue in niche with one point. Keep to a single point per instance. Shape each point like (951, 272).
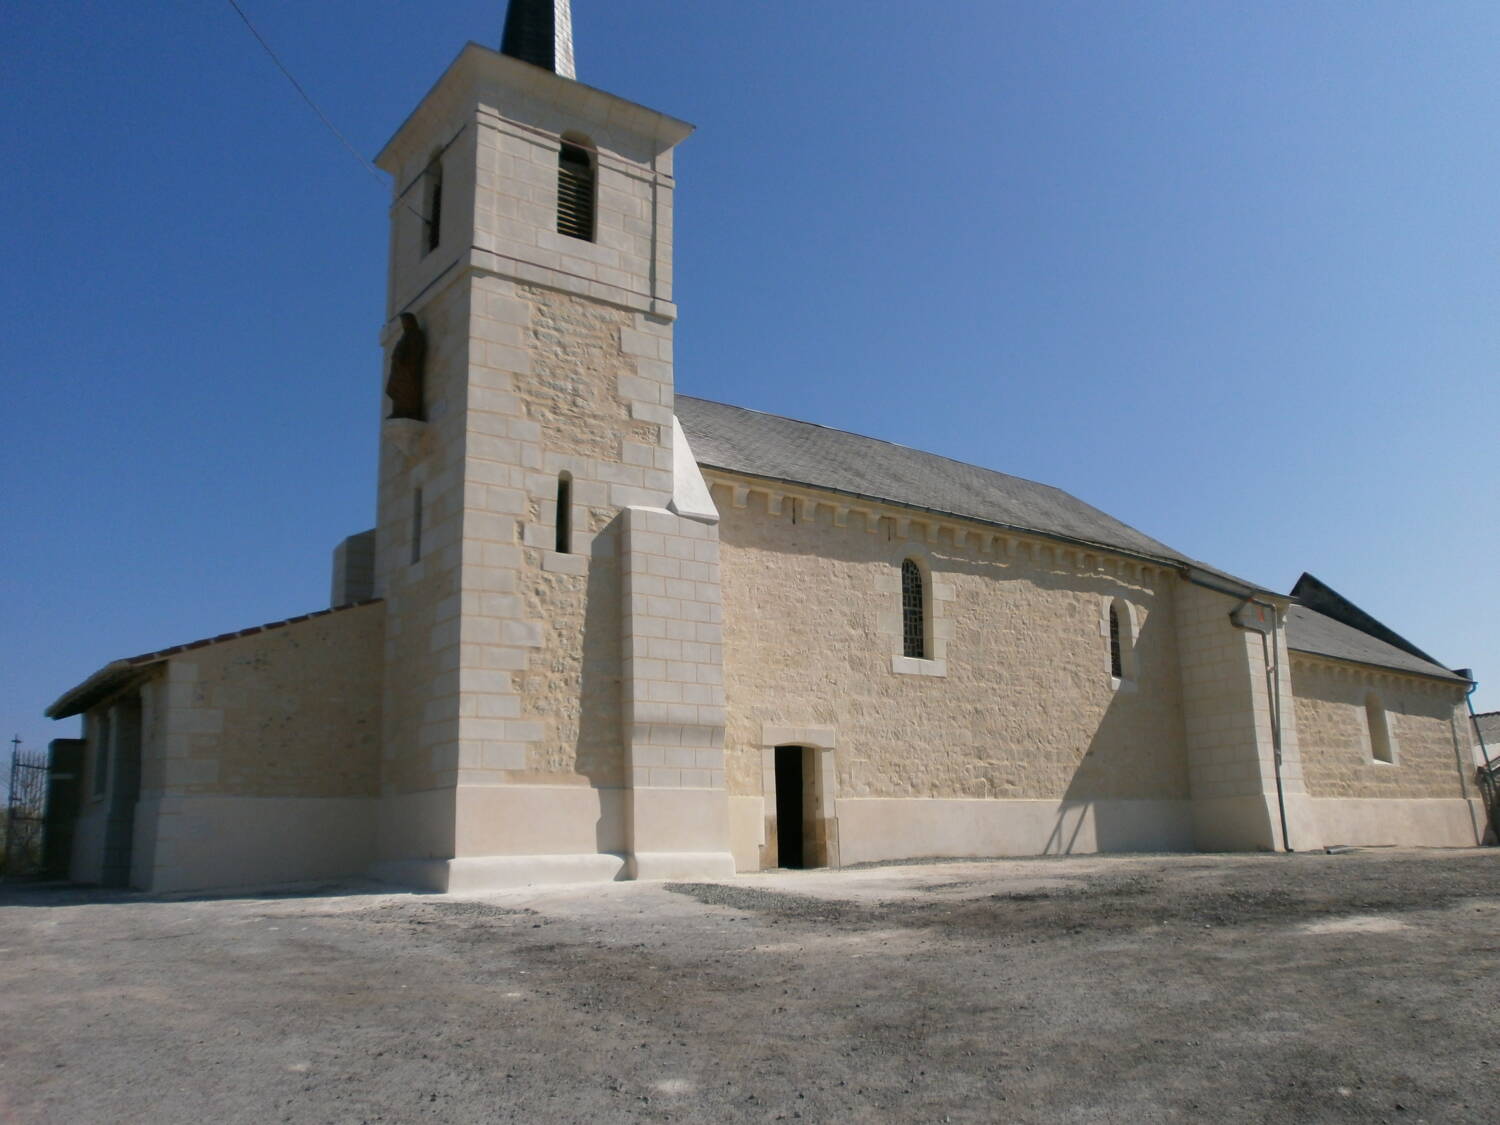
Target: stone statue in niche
(408, 360)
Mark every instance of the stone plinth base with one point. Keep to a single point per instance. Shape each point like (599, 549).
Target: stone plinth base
(1409, 822)
(477, 874)
(680, 865)
(870, 829)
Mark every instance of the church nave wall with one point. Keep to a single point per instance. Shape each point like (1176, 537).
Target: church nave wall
(1021, 704)
(1333, 729)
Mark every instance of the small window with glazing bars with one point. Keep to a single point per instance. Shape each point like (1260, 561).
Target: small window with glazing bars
(575, 192)
(913, 611)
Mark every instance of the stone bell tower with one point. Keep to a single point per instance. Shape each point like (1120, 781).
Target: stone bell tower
(552, 703)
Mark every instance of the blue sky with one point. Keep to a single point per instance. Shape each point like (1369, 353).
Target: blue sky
(1228, 271)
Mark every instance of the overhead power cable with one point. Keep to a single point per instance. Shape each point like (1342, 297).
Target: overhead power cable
(306, 97)
(281, 66)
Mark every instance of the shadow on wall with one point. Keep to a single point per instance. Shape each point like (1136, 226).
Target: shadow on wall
(1123, 792)
(600, 746)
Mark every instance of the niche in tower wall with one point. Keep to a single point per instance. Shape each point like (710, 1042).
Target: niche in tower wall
(408, 370)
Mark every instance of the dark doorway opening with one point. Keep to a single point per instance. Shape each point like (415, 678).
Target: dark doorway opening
(790, 808)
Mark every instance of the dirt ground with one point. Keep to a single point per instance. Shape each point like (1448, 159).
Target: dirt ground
(1355, 987)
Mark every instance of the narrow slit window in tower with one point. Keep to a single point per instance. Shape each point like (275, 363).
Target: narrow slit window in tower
(565, 514)
(416, 525)
(576, 184)
(913, 611)
(433, 233)
(1116, 653)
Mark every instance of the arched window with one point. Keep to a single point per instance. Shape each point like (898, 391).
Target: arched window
(565, 514)
(433, 224)
(913, 610)
(576, 188)
(1380, 730)
(1120, 625)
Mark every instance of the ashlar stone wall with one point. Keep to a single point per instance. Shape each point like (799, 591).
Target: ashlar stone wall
(419, 577)
(558, 383)
(1018, 702)
(289, 712)
(1423, 716)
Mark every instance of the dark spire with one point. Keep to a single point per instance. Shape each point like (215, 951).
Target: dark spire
(540, 32)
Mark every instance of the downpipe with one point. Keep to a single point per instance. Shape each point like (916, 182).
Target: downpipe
(1489, 769)
(1270, 650)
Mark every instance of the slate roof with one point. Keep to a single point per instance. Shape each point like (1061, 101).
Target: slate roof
(1316, 594)
(1316, 633)
(785, 450)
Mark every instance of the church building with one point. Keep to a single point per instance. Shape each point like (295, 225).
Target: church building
(604, 631)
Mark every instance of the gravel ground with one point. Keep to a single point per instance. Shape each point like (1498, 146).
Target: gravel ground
(1357, 987)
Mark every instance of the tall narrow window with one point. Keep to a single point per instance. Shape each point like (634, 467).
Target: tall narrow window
(1380, 730)
(1116, 653)
(913, 611)
(416, 524)
(433, 233)
(565, 514)
(575, 192)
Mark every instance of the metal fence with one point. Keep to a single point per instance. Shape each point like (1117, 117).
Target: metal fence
(1488, 777)
(25, 814)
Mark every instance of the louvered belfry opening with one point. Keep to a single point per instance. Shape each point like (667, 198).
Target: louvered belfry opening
(913, 612)
(575, 192)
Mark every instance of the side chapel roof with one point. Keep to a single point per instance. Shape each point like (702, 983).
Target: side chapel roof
(1325, 623)
(1317, 634)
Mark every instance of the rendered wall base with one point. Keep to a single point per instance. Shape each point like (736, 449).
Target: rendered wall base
(1237, 824)
(501, 872)
(87, 864)
(416, 826)
(510, 836)
(893, 828)
(679, 820)
(747, 831)
(412, 874)
(479, 874)
(505, 820)
(203, 842)
(1430, 823)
